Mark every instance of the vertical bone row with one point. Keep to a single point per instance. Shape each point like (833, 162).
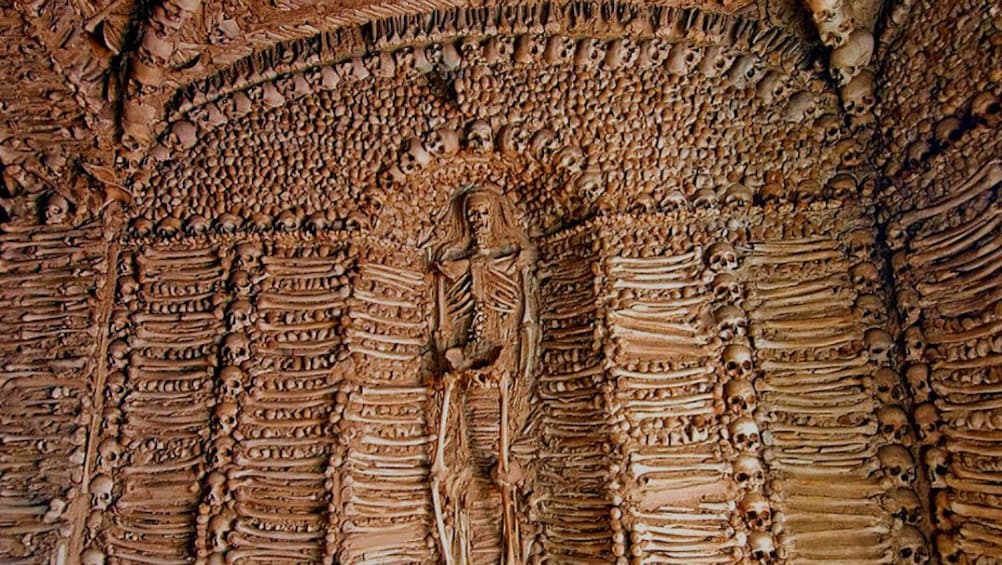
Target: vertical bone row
(50, 286)
(665, 398)
(291, 346)
(385, 428)
(829, 472)
(162, 379)
(949, 290)
(571, 505)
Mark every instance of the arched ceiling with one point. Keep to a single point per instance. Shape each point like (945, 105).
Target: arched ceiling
(94, 81)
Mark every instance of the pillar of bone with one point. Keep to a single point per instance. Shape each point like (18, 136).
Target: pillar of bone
(829, 469)
(52, 281)
(572, 509)
(675, 490)
(387, 424)
(161, 380)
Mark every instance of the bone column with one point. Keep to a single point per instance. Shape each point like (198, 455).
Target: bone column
(572, 504)
(949, 290)
(389, 423)
(52, 279)
(816, 359)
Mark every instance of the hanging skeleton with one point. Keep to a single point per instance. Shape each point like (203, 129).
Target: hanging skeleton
(485, 337)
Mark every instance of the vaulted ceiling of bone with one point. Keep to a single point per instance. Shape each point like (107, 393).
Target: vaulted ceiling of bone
(688, 281)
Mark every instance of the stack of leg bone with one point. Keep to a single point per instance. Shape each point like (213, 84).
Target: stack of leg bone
(162, 380)
(50, 280)
(294, 359)
(949, 295)
(674, 476)
(571, 500)
(388, 515)
(816, 394)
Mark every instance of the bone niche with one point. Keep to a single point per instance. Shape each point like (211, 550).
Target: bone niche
(484, 352)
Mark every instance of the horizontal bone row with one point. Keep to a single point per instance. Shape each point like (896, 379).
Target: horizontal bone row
(570, 505)
(821, 355)
(948, 266)
(385, 496)
(158, 404)
(49, 290)
(673, 482)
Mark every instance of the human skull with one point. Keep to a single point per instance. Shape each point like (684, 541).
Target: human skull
(865, 276)
(800, 107)
(871, 310)
(197, 225)
(937, 461)
(738, 361)
(705, 198)
(880, 345)
(511, 140)
(287, 221)
(480, 138)
(620, 53)
(559, 49)
(744, 433)
(57, 210)
(248, 255)
(183, 135)
(226, 415)
(92, 556)
(682, 58)
(228, 223)
(442, 141)
(948, 548)
(927, 421)
(588, 54)
(909, 304)
(221, 452)
(215, 488)
(716, 60)
(740, 396)
(893, 424)
(232, 378)
(114, 386)
(731, 322)
(888, 386)
(219, 527)
(917, 377)
(498, 49)
(948, 131)
(756, 511)
(569, 159)
(109, 454)
(904, 504)
(543, 143)
(739, 195)
(726, 288)
(413, 156)
(857, 95)
(914, 343)
(987, 107)
(849, 59)
(238, 314)
(911, 544)
(897, 464)
(169, 227)
(722, 257)
(744, 71)
(861, 243)
(236, 348)
(762, 547)
(529, 48)
(653, 52)
(771, 88)
(101, 491)
(748, 471)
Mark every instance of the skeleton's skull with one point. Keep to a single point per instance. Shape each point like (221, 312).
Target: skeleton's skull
(226, 415)
(722, 257)
(559, 49)
(101, 491)
(748, 471)
(478, 214)
(92, 556)
(987, 107)
(772, 88)
(949, 549)
(927, 421)
(238, 314)
(731, 322)
(219, 527)
(744, 433)
(912, 547)
(897, 464)
(937, 461)
(621, 53)
(114, 386)
(850, 58)
(909, 305)
(109, 454)
(236, 348)
(888, 386)
(739, 195)
(653, 52)
(740, 396)
(726, 288)
(738, 361)
(682, 58)
(744, 71)
(865, 276)
(197, 225)
(215, 488)
(857, 95)
(413, 156)
(904, 505)
(57, 210)
(480, 138)
(756, 511)
(871, 310)
(529, 48)
(248, 255)
(880, 345)
(762, 547)
(917, 376)
(442, 141)
(914, 343)
(705, 198)
(893, 424)
(232, 378)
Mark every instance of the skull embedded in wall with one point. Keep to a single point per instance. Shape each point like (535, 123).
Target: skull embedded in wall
(238, 314)
(744, 71)
(865, 276)
(738, 195)
(413, 156)
(909, 304)
(763, 549)
(842, 186)
(744, 433)
(914, 343)
(559, 49)
(215, 488)
(771, 88)
(888, 386)
(917, 376)
(57, 210)
(653, 52)
(442, 141)
(756, 511)
(92, 556)
(529, 48)
(101, 491)
(738, 361)
(850, 58)
(248, 255)
(911, 545)
(621, 53)
(937, 464)
(893, 424)
(948, 548)
(236, 348)
(480, 138)
(226, 415)
(740, 396)
(726, 288)
(232, 378)
(721, 256)
(904, 505)
(716, 60)
(731, 322)
(748, 471)
(897, 464)
(987, 108)
(927, 421)
(682, 58)
(109, 454)
(871, 310)
(879, 344)
(857, 95)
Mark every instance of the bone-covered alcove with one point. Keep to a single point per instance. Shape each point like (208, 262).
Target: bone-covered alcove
(674, 282)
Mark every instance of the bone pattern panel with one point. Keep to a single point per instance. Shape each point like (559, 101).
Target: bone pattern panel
(165, 398)
(817, 395)
(666, 396)
(386, 499)
(48, 291)
(296, 363)
(570, 506)
(949, 290)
